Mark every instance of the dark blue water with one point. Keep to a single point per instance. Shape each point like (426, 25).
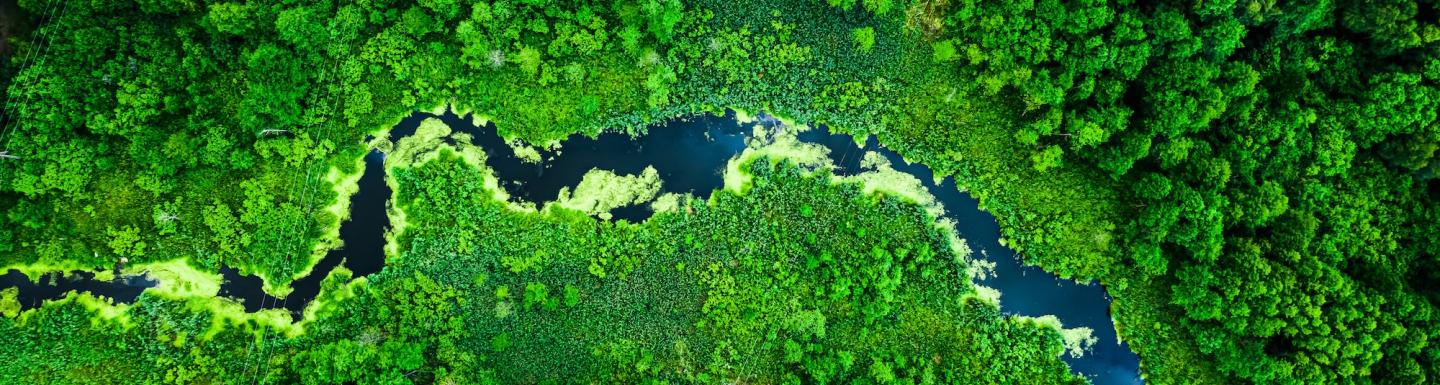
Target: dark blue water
(362, 251)
(123, 289)
(1025, 290)
(690, 155)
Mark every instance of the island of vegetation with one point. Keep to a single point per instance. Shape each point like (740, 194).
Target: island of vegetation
(1254, 183)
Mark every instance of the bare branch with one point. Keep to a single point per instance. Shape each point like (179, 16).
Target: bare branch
(273, 132)
(497, 58)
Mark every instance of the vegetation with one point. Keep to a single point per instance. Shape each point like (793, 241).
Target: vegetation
(1253, 181)
(746, 287)
(600, 191)
(1279, 158)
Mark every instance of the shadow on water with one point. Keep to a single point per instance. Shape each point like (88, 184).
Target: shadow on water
(53, 286)
(690, 155)
(1025, 290)
(362, 251)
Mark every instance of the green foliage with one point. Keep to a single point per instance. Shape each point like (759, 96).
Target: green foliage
(500, 342)
(536, 294)
(864, 38)
(878, 7)
(1226, 122)
(1047, 159)
(425, 319)
(1253, 181)
(655, 322)
(658, 83)
(572, 295)
(944, 51)
(9, 305)
(661, 17)
(126, 242)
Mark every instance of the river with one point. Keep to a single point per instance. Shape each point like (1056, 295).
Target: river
(690, 155)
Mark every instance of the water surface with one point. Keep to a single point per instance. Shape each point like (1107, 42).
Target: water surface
(690, 155)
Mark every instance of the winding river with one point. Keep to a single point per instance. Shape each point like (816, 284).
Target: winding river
(689, 154)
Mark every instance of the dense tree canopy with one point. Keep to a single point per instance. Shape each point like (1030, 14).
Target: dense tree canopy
(1280, 157)
(1254, 181)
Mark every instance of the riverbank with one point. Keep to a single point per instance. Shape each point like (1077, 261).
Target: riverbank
(687, 151)
(1261, 230)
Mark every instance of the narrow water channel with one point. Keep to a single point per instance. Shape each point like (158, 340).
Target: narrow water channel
(52, 286)
(362, 250)
(1025, 290)
(690, 155)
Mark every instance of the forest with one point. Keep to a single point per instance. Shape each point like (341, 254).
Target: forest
(1253, 182)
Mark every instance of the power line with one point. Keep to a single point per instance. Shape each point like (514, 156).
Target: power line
(290, 262)
(309, 195)
(250, 366)
(51, 38)
(47, 40)
(252, 369)
(47, 15)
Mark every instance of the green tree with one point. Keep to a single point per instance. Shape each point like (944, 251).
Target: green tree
(125, 241)
(661, 17)
(864, 38)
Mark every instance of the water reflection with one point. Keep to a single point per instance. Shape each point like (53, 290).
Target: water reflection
(690, 155)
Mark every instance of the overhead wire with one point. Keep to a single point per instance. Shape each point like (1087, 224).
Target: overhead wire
(309, 195)
(46, 15)
(47, 39)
